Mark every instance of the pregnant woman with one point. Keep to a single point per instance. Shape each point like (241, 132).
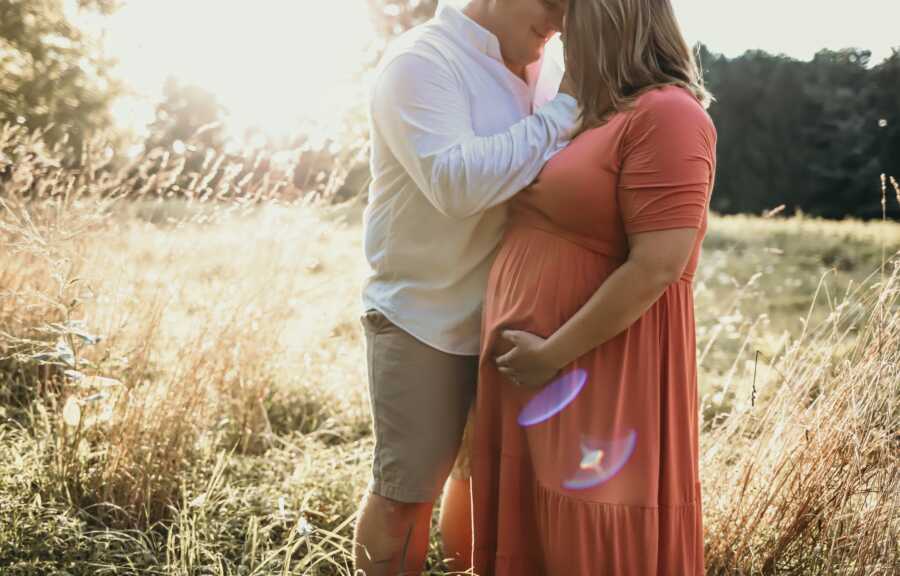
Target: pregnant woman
(591, 292)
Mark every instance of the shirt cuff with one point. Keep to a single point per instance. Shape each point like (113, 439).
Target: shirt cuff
(565, 112)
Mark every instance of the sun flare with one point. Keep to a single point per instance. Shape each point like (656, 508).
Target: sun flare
(273, 64)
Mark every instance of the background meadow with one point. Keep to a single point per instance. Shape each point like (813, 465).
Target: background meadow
(182, 385)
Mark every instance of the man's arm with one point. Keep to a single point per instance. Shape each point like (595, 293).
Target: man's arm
(422, 112)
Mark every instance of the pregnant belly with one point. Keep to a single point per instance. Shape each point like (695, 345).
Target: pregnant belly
(537, 282)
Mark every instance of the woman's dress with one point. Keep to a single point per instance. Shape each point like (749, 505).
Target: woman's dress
(609, 485)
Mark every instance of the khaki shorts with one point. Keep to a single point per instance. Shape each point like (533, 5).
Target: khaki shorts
(420, 400)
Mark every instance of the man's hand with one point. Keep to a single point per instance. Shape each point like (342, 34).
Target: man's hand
(527, 363)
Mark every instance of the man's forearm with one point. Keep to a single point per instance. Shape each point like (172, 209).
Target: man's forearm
(422, 113)
(482, 172)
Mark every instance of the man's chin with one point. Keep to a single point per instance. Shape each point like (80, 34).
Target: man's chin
(529, 58)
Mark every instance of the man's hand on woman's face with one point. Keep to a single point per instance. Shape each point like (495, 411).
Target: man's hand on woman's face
(526, 363)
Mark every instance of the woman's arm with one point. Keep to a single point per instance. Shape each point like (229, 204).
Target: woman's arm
(663, 194)
(656, 260)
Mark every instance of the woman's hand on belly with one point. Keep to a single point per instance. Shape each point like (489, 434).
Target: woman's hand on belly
(526, 363)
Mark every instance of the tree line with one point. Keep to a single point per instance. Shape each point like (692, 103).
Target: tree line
(812, 136)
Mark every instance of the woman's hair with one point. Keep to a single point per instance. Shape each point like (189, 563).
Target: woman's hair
(618, 49)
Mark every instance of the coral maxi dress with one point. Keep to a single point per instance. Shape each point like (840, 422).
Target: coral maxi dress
(648, 168)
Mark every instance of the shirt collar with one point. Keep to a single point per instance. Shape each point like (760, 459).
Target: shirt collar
(472, 32)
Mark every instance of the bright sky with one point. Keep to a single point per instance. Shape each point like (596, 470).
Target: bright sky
(798, 28)
(278, 62)
(272, 63)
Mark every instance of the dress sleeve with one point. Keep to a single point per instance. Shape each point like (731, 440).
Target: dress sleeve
(668, 163)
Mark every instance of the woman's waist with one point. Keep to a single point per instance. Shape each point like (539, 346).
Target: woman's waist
(537, 283)
(542, 303)
(540, 279)
(525, 221)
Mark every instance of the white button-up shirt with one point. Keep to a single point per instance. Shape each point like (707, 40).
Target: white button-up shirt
(453, 138)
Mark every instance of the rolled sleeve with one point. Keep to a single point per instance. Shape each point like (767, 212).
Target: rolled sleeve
(668, 165)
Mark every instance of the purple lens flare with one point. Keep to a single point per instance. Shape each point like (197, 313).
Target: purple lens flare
(600, 461)
(553, 398)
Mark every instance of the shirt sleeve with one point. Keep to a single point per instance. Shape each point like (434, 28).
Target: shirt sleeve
(668, 164)
(421, 110)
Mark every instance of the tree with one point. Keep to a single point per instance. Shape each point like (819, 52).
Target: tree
(884, 100)
(52, 75)
(814, 136)
(843, 173)
(187, 114)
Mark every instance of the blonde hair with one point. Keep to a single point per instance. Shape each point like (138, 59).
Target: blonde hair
(618, 49)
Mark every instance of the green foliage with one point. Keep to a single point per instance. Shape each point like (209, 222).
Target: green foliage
(53, 76)
(814, 136)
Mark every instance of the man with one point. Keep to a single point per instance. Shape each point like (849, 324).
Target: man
(454, 136)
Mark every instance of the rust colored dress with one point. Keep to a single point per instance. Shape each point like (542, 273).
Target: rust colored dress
(649, 168)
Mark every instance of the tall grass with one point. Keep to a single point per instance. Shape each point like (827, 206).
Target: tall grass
(805, 481)
(182, 390)
(802, 479)
(126, 412)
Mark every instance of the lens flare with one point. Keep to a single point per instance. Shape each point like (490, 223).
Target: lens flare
(553, 398)
(600, 461)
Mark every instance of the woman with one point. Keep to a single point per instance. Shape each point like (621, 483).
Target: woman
(593, 284)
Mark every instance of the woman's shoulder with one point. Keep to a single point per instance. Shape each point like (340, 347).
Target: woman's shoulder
(669, 105)
(659, 115)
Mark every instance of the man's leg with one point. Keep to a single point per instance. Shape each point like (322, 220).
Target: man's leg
(420, 399)
(391, 537)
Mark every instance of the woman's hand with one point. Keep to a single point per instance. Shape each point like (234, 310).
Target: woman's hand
(527, 363)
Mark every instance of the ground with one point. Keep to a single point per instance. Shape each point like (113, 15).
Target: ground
(232, 434)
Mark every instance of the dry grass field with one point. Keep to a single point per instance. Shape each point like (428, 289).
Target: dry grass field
(182, 388)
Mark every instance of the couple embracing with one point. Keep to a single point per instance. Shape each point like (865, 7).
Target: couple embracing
(532, 257)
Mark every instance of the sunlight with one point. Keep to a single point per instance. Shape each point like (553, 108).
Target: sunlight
(287, 65)
(274, 64)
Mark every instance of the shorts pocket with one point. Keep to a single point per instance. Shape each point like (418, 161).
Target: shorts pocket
(374, 322)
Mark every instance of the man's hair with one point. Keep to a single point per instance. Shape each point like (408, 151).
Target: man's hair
(618, 49)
